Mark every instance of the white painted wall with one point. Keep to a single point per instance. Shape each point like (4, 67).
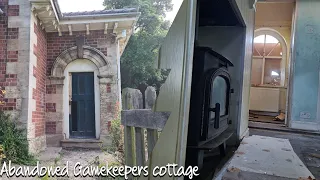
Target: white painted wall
(248, 16)
(265, 99)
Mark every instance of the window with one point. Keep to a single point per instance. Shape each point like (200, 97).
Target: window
(219, 95)
(266, 62)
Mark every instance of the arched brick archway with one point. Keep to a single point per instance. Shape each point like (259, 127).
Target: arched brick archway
(81, 60)
(71, 54)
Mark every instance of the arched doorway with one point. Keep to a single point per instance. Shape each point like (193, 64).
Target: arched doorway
(268, 76)
(86, 103)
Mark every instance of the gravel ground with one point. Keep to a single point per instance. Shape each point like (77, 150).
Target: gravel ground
(57, 157)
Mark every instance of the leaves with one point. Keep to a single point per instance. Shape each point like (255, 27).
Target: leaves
(14, 141)
(137, 61)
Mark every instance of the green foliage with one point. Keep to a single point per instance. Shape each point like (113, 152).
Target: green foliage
(116, 134)
(141, 53)
(2, 155)
(152, 11)
(14, 142)
(137, 62)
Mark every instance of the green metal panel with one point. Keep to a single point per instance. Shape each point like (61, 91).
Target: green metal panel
(176, 54)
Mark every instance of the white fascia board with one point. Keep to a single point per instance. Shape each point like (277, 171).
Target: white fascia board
(96, 20)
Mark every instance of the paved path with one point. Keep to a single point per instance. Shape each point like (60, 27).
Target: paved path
(265, 157)
(307, 147)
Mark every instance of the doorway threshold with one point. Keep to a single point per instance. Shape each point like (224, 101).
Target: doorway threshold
(81, 143)
(279, 127)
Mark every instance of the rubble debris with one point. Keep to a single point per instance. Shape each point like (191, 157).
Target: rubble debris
(239, 152)
(233, 169)
(315, 155)
(308, 178)
(280, 117)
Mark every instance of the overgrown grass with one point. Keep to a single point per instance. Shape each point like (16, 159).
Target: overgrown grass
(14, 142)
(117, 141)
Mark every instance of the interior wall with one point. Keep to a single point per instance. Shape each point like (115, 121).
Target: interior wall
(228, 41)
(304, 102)
(247, 13)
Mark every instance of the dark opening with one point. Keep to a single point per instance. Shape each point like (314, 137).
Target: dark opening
(210, 125)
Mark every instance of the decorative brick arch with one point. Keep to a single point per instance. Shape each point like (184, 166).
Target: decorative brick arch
(71, 54)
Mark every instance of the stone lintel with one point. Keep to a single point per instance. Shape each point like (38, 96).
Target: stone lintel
(55, 80)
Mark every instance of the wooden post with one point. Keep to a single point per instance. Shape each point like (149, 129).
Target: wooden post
(128, 146)
(140, 147)
(152, 136)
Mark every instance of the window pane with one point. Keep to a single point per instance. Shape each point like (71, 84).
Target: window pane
(267, 38)
(272, 72)
(271, 39)
(259, 39)
(256, 71)
(219, 95)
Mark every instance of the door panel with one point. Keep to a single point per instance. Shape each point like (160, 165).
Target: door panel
(82, 106)
(176, 54)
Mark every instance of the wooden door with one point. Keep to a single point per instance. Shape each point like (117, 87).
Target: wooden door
(82, 106)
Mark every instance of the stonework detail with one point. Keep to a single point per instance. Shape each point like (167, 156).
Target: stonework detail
(58, 44)
(105, 61)
(69, 55)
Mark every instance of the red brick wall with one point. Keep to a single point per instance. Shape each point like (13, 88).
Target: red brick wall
(6, 55)
(13, 10)
(39, 72)
(57, 44)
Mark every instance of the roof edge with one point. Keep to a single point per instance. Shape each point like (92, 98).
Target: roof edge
(133, 14)
(60, 16)
(56, 8)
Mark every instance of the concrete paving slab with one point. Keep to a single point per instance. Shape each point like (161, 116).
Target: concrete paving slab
(267, 156)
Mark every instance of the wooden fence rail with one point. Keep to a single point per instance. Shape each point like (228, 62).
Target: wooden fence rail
(141, 125)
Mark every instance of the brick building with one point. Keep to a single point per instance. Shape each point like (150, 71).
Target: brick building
(61, 70)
